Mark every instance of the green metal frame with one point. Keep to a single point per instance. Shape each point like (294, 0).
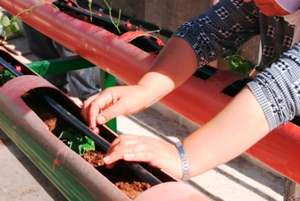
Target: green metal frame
(109, 81)
(59, 66)
(63, 65)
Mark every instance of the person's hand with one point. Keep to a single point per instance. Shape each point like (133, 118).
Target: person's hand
(115, 101)
(156, 152)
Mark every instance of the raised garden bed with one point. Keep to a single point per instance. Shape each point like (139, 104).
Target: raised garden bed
(115, 22)
(130, 178)
(124, 178)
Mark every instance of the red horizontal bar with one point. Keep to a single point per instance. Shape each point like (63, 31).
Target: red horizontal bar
(198, 100)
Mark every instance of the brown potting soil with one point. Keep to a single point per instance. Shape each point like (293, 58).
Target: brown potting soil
(121, 179)
(132, 190)
(50, 120)
(94, 158)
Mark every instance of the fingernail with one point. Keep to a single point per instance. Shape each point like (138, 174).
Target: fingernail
(100, 119)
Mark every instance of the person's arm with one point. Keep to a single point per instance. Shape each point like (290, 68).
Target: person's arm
(216, 33)
(232, 131)
(240, 125)
(269, 101)
(174, 65)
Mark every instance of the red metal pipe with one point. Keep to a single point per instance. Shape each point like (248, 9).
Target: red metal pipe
(102, 48)
(198, 100)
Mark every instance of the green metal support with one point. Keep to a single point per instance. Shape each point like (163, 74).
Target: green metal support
(59, 66)
(63, 65)
(109, 81)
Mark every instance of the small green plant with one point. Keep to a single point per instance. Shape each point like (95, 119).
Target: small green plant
(90, 4)
(78, 143)
(239, 64)
(5, 75)
(8, 26)
(116, 22)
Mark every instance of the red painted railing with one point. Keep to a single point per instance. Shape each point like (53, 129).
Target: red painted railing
(198, 100)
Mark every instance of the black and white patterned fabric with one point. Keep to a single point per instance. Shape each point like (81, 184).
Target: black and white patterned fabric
(221, 30)
(277, 89)
(225, 26)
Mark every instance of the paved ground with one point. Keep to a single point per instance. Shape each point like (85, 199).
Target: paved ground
(237, 180)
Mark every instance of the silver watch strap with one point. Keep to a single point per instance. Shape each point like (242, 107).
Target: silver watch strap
(183, 159)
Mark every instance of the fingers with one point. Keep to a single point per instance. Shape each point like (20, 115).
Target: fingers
(94, 105)
(99, 103)
(86, 105)
(113, 102)
(111, 112)
(155, 152)
(129, 148)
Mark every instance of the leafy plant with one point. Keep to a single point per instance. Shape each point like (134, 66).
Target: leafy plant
(239, 64)
(79, 143)
(5, 75)
(90, 3)
(8, 26)
(116, 22)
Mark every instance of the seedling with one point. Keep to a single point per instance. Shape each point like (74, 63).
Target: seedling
(78, 143)
(8, 26)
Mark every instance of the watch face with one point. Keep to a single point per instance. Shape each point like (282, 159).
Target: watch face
(271, 7)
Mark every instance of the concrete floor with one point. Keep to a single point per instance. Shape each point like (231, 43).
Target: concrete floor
(237, 180)
(20, 180)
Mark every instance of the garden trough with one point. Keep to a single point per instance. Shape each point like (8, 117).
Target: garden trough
(197, 99)
(34, 126)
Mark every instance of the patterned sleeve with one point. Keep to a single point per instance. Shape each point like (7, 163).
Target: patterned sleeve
(277, 89)
(220, 30)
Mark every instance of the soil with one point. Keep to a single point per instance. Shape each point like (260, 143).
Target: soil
(120, 174)
(120, 178)
(50, 120)
(94, 158)
(132, 190)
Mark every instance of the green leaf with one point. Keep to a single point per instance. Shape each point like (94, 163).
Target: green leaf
(5, 21)
(14, 26)
(239, 64)
(77, 142)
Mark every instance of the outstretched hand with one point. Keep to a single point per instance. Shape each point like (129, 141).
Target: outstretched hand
(115, 101)
(156, 152)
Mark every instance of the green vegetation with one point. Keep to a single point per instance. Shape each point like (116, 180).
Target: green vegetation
(77, 142)
(8, 25)
(5, 75)
(239, 64)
